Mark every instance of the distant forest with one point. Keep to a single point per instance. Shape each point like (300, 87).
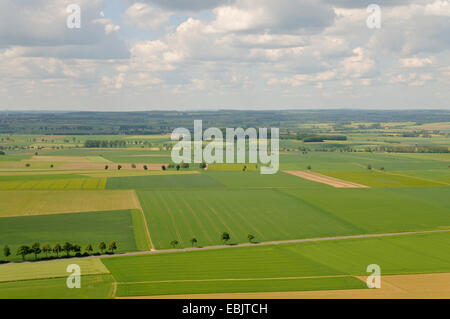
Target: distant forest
(161, 122)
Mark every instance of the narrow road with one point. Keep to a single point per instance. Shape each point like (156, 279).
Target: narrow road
(278, 242)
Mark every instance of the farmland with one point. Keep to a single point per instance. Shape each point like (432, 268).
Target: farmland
(165, 219)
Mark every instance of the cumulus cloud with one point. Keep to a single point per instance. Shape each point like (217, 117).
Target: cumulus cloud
(143, 16)
(191, 5)
(225, 51)
(40, 26)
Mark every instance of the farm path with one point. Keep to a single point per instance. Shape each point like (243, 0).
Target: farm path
(278, 242)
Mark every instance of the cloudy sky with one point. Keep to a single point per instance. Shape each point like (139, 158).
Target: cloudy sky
(211, 54)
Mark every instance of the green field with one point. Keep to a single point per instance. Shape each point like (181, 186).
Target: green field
(80, 228)
(404, 163)
(224, 269)
(162, 181)
(205, 214)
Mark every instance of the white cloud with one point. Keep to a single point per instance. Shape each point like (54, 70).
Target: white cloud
(222, 53)
(415, 62)
(143, 16)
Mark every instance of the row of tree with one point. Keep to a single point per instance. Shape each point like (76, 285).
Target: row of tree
(225, 237)
(36, 249)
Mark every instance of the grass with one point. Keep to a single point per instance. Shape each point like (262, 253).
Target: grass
(265, 213)
(162, 274)
(25, 203)
(79, 228)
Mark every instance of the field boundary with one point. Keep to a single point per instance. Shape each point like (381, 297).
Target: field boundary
(231, 279)
(139, 207)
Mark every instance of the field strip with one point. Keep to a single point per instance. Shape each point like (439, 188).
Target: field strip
(324, 179)
(419, 178)
(138, 206)
(420, 286)
(230, 279)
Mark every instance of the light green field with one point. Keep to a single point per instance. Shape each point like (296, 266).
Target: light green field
(50, 269)
(221, 270)
(162, 182)
(383, 210)
(36, 202)
(78, 228)
(232, 167)
(92, 287)
(55, 184)
(374, 178)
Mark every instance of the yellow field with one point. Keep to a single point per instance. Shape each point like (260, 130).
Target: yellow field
(25, 203)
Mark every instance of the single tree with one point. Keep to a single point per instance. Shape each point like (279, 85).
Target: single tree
(6, 252)
(112, 246)
(194, 241)
(102, 246)
(36, 249)
(250, 238)
(57, 249)
(382, 168)
(145, 167)
(133, 165)
(46, 249)
(163, 167)
(89, 248)
(23, 251)
(308, 167)
(369, 166)
(225, 237)
(178, 167)
(174, 243)
(106, 167)
(67, 247)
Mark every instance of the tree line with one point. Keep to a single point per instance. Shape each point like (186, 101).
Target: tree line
(224, 237)
(36, 249)
(104, 143)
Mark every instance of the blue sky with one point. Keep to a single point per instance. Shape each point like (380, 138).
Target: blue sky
(237, 54)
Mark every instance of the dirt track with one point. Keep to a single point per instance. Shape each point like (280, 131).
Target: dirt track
(319, 178)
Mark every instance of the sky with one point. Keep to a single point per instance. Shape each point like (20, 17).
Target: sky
(224, 54)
